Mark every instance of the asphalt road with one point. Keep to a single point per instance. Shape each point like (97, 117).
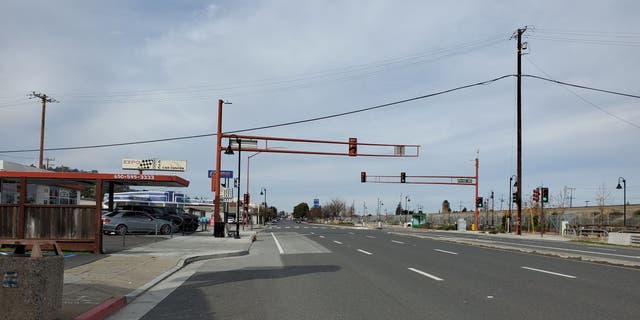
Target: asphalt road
(299, 271)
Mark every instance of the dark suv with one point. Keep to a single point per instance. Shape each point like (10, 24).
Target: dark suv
(184, 221)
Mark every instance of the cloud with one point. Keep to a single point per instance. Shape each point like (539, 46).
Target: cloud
(142, 70)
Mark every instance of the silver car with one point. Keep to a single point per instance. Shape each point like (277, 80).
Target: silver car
(129, 221)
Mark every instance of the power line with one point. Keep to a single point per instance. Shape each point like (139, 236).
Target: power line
(490, 81)
(269, 126)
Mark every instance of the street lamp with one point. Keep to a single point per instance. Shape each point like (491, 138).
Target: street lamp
(229, 151)
(624, 187)
(263, 191)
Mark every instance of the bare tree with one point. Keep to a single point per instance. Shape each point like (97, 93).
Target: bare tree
(602, 195)
(446, 208)
(335, 208)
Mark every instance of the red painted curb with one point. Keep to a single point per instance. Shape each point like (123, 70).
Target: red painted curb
(104, 309)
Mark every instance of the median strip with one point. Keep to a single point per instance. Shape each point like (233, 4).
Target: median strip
(445, 251)
(550, 272)
(277, 243)
(365, 252)
(426, 274)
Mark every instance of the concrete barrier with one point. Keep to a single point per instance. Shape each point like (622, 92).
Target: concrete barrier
(31, 287)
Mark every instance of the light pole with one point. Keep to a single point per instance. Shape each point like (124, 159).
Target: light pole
(513, 177)
(624, 187)
(247, 187)
(230, 152)
(263, 192)
(406, 206)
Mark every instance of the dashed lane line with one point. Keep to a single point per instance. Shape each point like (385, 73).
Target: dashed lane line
(445, 251)
(426, 274)
(365, 252)
(338, 242)
(550, 272)
(396, 241)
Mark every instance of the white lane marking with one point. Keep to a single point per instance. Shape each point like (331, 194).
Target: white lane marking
(445, 251)
(333, 228)
(277, 243)
(583, 251)
(296, 227)
(287, 227)
(398, 242)
(313, 233)
(549, 272)
(365, 252)
(338, 242)
(314, 227)
(322, 237)
(306, 227)
(371, 237)
(426, 274)
(351, 233)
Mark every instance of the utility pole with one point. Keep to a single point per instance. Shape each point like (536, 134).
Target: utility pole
(571, 196)
(48, 160)
(44, 98)
(519, 130)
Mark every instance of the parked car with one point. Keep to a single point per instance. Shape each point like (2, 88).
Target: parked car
(185, 222)
(129, 221)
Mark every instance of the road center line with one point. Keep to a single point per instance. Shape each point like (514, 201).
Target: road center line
(395, 241)
(277, 243)
(445, 251)
(426, 274)
(338, 242)
(365, 252)
(549, 272)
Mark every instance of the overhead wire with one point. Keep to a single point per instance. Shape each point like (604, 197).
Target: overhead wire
(329, 116)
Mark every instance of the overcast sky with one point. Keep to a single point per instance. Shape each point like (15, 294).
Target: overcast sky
(128, 71)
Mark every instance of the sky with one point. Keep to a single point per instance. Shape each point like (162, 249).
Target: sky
(127, 71)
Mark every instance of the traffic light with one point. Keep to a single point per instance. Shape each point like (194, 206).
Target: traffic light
(403, 177)
(479, 202)
(536, 195)
(514, 197)
(363, 177)
(353, 147)
(545, 194)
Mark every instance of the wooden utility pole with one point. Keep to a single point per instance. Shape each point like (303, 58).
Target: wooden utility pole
(519, 143)
(44, 98)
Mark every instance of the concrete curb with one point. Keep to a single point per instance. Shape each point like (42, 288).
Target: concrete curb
(557, 254)
(114, 304)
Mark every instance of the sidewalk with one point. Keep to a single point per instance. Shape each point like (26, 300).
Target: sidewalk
(106, 284)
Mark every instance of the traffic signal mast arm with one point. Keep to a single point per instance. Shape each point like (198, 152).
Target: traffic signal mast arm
(399, 150)
(462, 180)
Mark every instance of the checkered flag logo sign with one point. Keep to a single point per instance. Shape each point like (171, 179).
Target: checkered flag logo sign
(147, 164)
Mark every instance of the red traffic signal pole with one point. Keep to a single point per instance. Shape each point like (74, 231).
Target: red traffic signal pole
(215, 179)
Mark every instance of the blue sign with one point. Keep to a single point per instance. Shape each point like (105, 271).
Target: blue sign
(316, 203)
(223, 174)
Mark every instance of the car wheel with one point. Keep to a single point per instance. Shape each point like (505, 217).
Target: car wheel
(121, 229)
(165, 229)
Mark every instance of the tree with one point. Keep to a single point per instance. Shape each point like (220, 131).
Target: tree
(336, 208)
(301, 210)
(399, 209)
(446, 207)
(602, 195)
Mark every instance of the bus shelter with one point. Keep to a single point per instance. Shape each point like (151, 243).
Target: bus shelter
(46, 206)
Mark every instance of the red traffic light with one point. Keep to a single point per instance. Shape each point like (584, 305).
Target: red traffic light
(353, 147)
(536, 194)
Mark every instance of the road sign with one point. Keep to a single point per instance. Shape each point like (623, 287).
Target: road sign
(223, 173)
(465, 180)
(171, 165)
(226, 193)
(245, 143)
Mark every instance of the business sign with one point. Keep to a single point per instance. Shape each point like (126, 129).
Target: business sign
(155, 165)
(223, 174)
(316, 203)
(226, 193)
